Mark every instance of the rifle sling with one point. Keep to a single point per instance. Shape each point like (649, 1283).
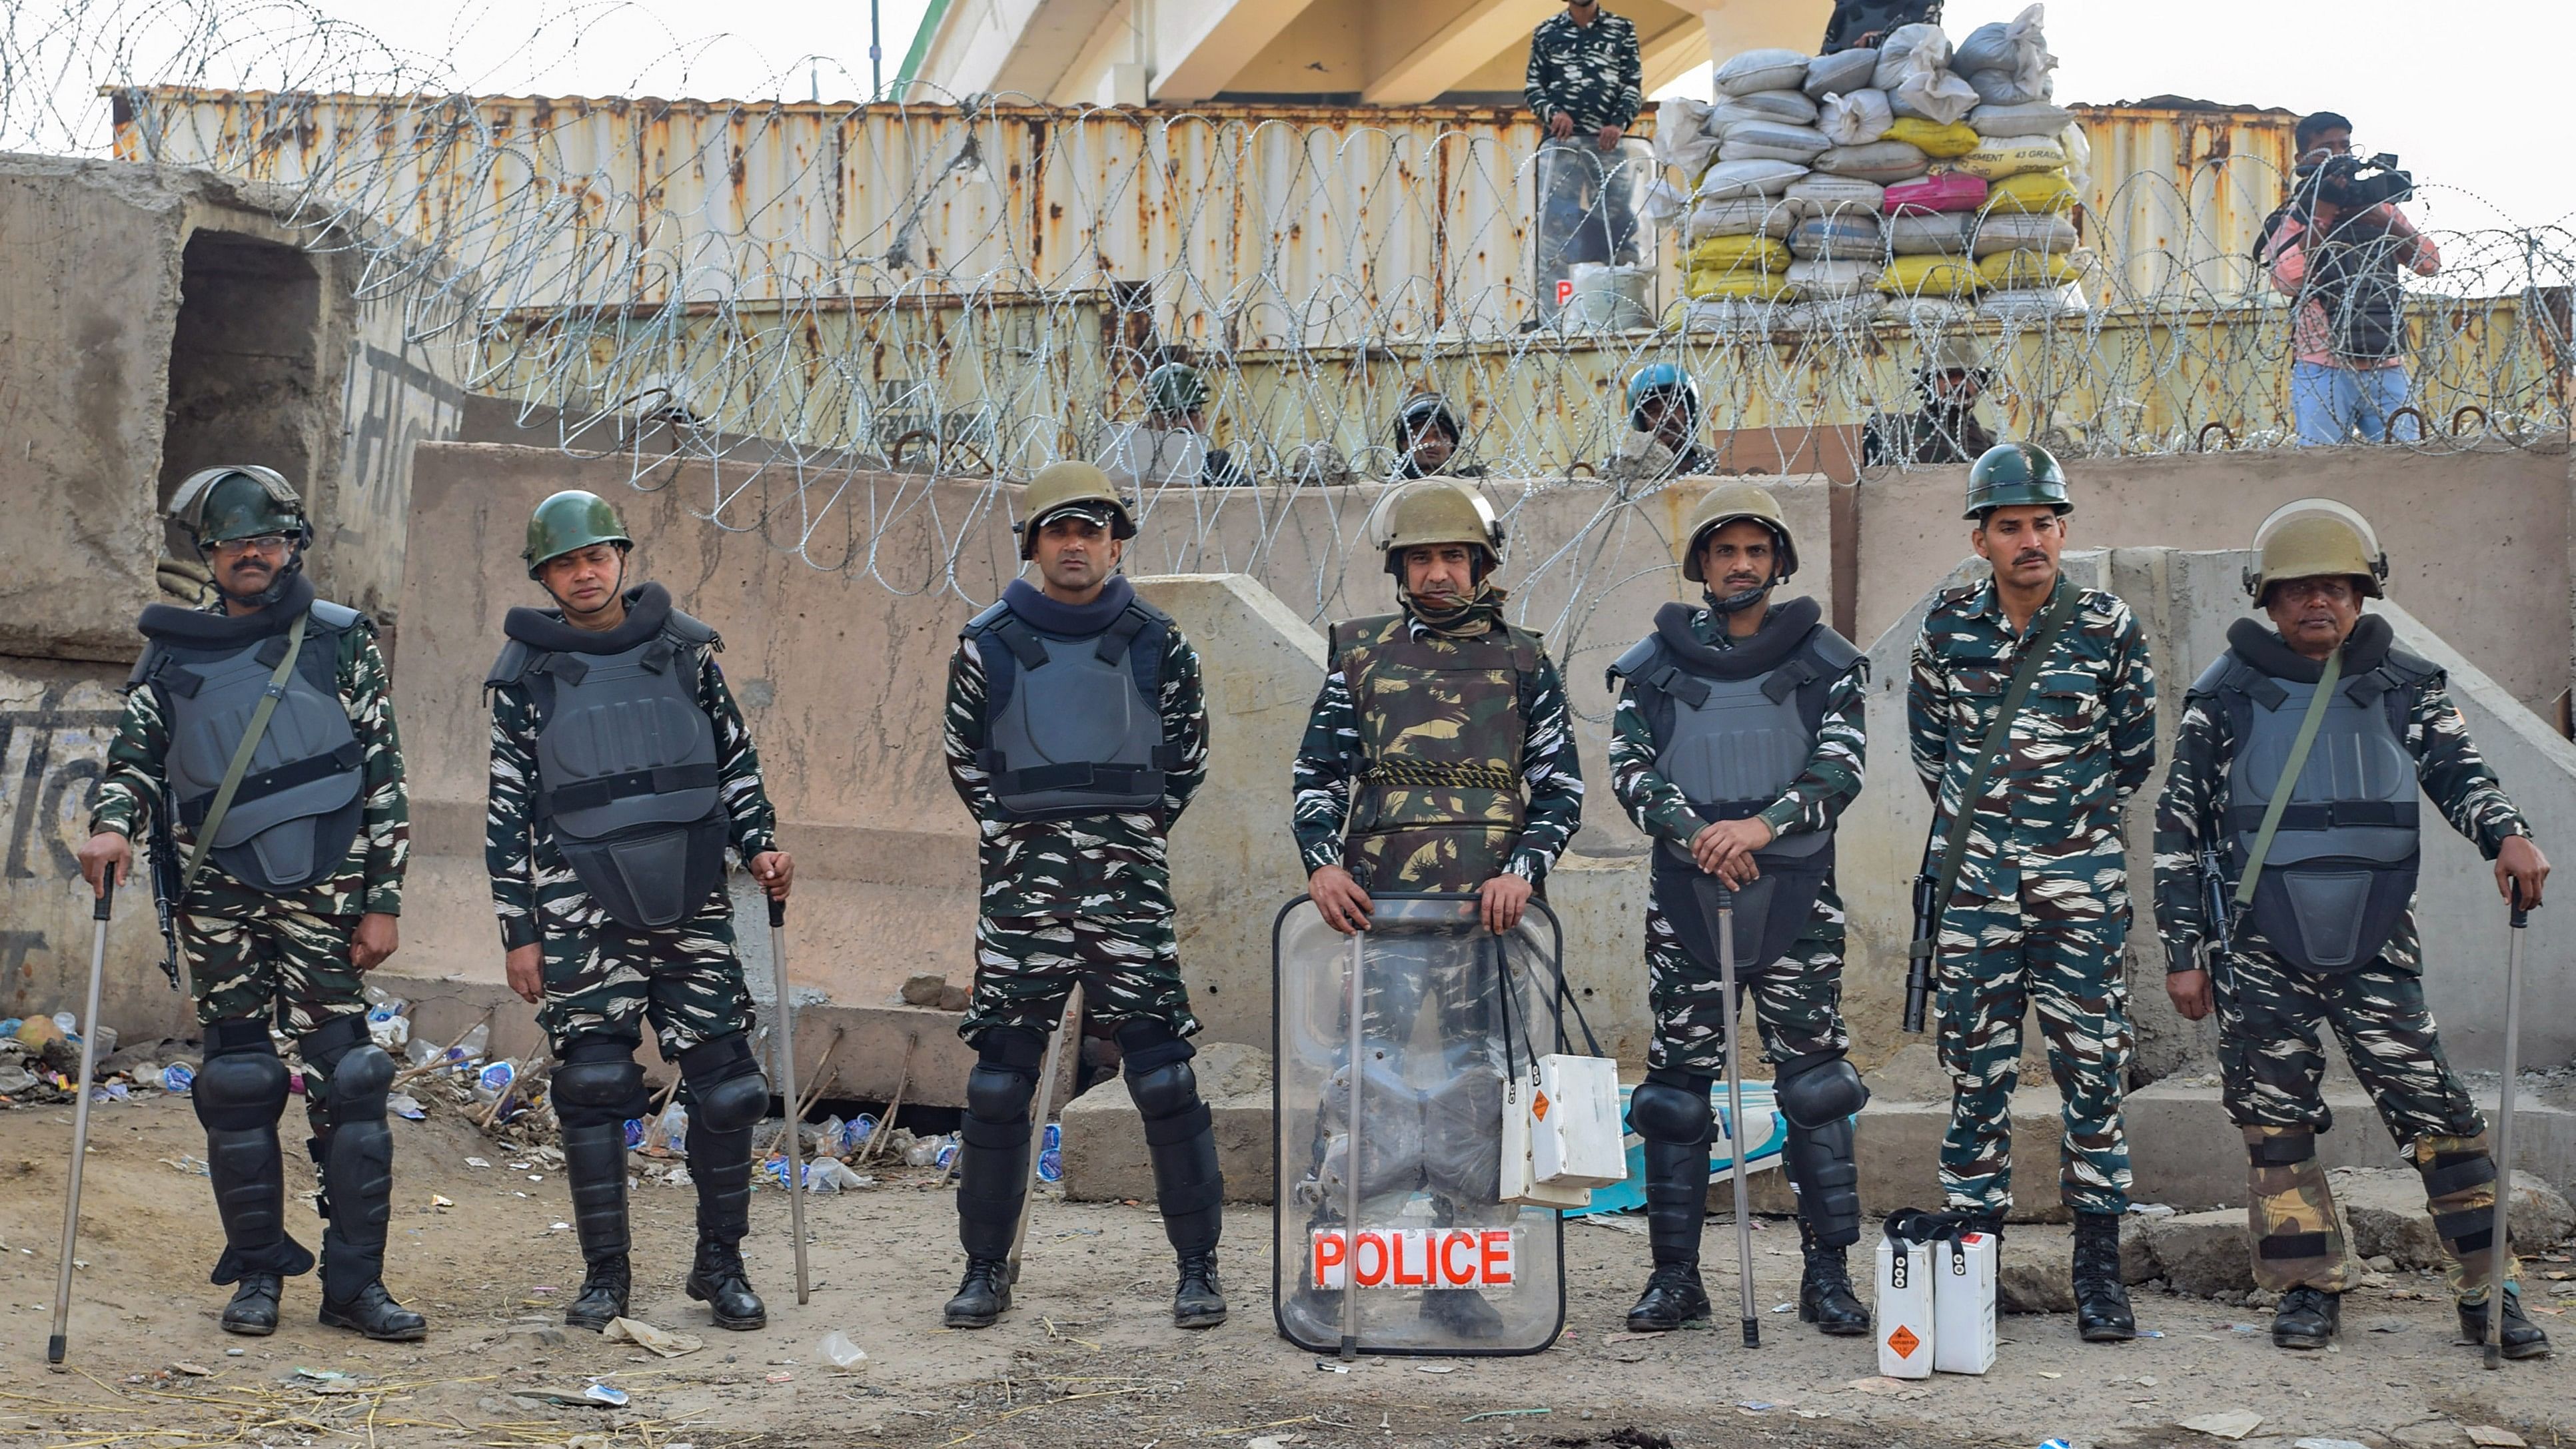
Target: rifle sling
(239, 767)
(1954, 848)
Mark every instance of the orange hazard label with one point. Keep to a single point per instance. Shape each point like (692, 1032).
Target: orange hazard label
(1538, 1106)
(1904, 1341)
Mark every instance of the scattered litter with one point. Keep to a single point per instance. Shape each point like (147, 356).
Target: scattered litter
(235, 1352)
(1327, 1366)
(2488, 1436)
(177, 1078)
(837, 1350)
(2244, 1328)
(661, 1341)
(323, 1376)
(187, 1164)
(2151, 1333)
(2229, 1424)
(191, 1370)
(1755, 1406)
(476, 1162)
(2393, 1325)
(2047, 1374)
(1782, 1307)
(1877, 1384)
(2327, 1444)
(2055, 1444)
(1275, 1441)
(780, 1378)
(599, 1393)
(406, 1106)
(1629, 1337)
(559, 1227)
(1435, 1368)
(1508, 1414)
(438, 1201)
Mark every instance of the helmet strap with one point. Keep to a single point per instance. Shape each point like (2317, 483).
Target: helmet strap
(1738, 603)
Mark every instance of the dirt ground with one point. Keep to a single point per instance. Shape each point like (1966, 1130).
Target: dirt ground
(1087, 1357)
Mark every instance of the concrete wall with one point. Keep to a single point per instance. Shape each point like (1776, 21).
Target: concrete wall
(161, 320)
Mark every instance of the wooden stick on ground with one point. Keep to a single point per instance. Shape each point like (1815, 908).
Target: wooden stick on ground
(424, 1069)
(822, 1076)
(654, 1136)
(902, 1084)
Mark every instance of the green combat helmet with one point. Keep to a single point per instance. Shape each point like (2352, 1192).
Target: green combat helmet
(1059, 486)
(1729, 503)
(217, 505)
(1437, 511)
(2013, 475)
(569, 520)
(1175, 387)
(2308, 538)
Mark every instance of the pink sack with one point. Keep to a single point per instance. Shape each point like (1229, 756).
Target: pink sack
(1939, 192)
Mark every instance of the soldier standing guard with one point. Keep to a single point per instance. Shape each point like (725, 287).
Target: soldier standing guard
(1738, 741)
(1431, 724)
(620, 772)
(2040, 907)
(2327, 931)
(258, 739)
(1076, 733)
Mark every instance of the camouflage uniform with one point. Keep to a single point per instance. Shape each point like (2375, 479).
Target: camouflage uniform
(248, 951)
(1797, 1000)
(1592, 74)
(2272, 1063)
(2041, 909)
(1087, 899)
(604, 978)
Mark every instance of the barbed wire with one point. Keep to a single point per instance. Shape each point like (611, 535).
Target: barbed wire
(841, 305)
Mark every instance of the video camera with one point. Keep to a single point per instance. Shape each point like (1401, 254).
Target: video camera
(2354, 184)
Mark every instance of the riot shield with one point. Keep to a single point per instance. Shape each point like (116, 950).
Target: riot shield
(1388, 1233)
(1588, 205)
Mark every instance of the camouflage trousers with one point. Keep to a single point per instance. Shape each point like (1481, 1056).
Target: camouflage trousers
(1025, 967)
(606, 978)
(286, 965)
(1796, 1000)
(2054, 948)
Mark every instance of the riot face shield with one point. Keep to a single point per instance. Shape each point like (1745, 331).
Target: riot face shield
(1390, 1235)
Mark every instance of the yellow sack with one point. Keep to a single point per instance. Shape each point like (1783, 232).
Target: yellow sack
(2033, 191)
(1707, 286)
(2008, 156)
(2027, 271)
(1929, 275)
(1739, 254)
(1937, 141)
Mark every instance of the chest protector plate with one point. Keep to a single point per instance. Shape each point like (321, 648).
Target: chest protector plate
(1733, 746)
(297, 811)
(627, 778)
(1073, 726)
(1437, 804)
(2341, 872)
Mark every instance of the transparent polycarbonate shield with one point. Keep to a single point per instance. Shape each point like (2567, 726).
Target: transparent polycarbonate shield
(1392, 1238)
(1589, 206)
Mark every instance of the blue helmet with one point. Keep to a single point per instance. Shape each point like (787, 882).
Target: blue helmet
(1660, 377)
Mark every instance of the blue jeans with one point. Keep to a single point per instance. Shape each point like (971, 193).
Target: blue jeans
(2330, 402)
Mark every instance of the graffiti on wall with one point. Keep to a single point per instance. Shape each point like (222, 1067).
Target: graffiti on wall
(392, 401)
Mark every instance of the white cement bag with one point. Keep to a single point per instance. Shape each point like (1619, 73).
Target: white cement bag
(1772, 141)
(1899, 44)
(1733, 179)
(1682, 141)
(1784, 107)
(1879, 161)
(1937, 96)
(1929, 314)
(2028, 306)
(1762, 70)
(2003, 88)
(2033, 118)
(1745, 216)
(2024, 231)
(2079, 157)
(1855, 118)
(1944, 234)
(2015, 47)
(1822, 280)
(1841, 73)
(1821, 195)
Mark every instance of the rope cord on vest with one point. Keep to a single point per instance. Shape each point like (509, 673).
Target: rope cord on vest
(1438, 775)
(240, 764)
(2288, 782)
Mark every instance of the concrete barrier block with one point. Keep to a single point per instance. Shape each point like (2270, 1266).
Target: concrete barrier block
(1104, 1140)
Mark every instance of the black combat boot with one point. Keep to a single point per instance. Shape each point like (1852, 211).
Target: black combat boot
(2101, 1302)
(253, 1311)
(983, 1296)
(721, 1164)
(595, 1165)
(239, 1094)
(2522, 1337)
(1676, 1198)
(1463, 1312)
(355, 1153)
(1189, 1183)
(1825, 1296)
(1199, 1301)
(2307, 1318)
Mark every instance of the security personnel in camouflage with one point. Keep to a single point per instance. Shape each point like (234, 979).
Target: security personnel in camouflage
(2329, 932)
(1431, 727)
(1738, 741)
(2041, 907)
(605, 842)
(1076, 733)
(268, 717)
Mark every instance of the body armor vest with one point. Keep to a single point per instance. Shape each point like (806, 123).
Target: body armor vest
(1437, 803)
(1073, 726)
(1732, 734)
(627, 774)
(297, 810)
(2341, 872)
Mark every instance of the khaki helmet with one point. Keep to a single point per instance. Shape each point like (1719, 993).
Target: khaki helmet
(1437, 510)
(1071, 484)
(571, 520)
(2309, 538)
(1728, 503)
(217, 505)
(2013, 475)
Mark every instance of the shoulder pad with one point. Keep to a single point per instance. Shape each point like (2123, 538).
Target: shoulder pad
(2412, 669)
(2214, 678)
(144, 664)
(1626, 665)
(1138, 604)
(515, 657)
(690, 631)
(1832, 650)
(339, 618)
(990, 616)
(1522, 638)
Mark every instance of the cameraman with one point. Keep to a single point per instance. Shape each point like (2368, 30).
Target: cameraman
(2337, 247)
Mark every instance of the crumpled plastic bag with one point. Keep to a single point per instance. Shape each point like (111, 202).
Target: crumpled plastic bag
(1855, 118)
(1462, 1136)
(2015, 47)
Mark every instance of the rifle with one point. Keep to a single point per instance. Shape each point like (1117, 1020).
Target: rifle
(2214, 899)
(162, 858)
(1927, 925)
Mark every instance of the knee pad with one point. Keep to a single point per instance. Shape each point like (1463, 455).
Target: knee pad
(1004, 1078)
(1145, 1045)
(1159, 1077)
(242, 1085)
(726, 1090)
(360, 1084)
(1671, 1107)
(1818, 1089)
(599, 1083)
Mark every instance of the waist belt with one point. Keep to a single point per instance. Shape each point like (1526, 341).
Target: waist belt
(608, 789)
(1107, 779)
(192, 813)
(1395, 770)
(2334, 814)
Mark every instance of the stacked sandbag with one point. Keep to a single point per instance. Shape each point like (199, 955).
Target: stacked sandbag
(1765, 138)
